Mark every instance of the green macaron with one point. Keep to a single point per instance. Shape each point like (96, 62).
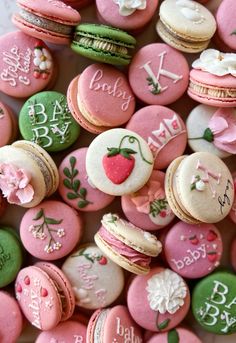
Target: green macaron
(46, 120)
(103, 43)
(11, 257)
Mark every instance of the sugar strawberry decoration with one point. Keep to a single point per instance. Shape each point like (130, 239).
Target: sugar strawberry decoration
(194, 240)
(212, 256)
(119, 162)
(211, 236)
(103, 260)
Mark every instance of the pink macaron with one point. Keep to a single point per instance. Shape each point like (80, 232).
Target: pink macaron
(113, 325)
(50, 230)
(164, 131)
(8, 125)
(158, 301)
(44, 295)
(226, 13)
(11, 320)
(129, 16)
(50, 20)
(177, 335)
(232, 213)
(69, 332)
(75, 187)
(100, 98)
(158, 74)
(213, 79)
(233, 254)
(26, 65)
(148, 207)
(193, 251)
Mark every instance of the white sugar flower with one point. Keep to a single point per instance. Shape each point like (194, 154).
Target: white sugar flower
(43, 59)
(127, 7)
(61, 232)
(216, 63)
(166, 292)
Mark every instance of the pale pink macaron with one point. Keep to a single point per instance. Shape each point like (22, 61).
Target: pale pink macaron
(158, 74)
(226, 27)
(50, 230)
(113, 325)
(75, 187)
(158, 301)
(164, 131)
(193, 251)
(69, 332)
(129, 16)
(177, 335)
(148, 208)
(232, 213)
(100, 98)
(233, 254)
(8, 125)
(11, 320)
(26, 65)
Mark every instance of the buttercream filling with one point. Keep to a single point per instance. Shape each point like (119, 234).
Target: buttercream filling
(185, 39)
(222, 93)
(102, 45)
(123, 249)
(45, 23)
(97, 334)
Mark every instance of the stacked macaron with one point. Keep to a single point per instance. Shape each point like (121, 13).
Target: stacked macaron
(106, 216)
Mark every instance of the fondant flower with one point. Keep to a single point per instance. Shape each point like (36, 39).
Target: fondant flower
(221, 130)
(216, 62)
(15, 184)
(43, 59)
(166, 292)
(152, 191)
(127, 7)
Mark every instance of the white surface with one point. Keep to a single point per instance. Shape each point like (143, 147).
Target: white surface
(70, 65)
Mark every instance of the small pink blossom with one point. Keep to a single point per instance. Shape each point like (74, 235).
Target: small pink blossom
(15, 184)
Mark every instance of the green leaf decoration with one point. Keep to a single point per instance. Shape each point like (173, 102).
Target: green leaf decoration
(208, 135)
(67, 183)
(52, 221)
(173, 336)
(72, 196)
(72, 162)
(233, 33)
(113, 151)
(163, 325)
(129, 151)
(38, 215)
(83, 192)
(66, 172)
(88, 258)
(75, 173)
(82, 203)
(76, 185)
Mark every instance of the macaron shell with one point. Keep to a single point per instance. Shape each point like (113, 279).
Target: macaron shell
(147, 63)
(140, 310)
(86, 197)
(193, 251)
(232, 213)
(197, 122)
(226, 14)
(214, 201)
(214, 295)
(69, 331)
(148, 208)
(109, 11)
(8, 125)
(164, 131)
(11, 257)
(183, 335)
(119, 175)
(10, 318)
(91, 275)
(51, 230)
(63, 286)
(115, 102)
(38, 298)
(23, 81)
(119, 326)
(233, 254)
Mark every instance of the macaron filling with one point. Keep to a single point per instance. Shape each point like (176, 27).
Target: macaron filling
(44, 23)
(210, 91)
(123, 249)
(99, 324)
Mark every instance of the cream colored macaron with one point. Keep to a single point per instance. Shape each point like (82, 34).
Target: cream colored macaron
(185, 25)
(126, 244)
(119, 162)
(199, 188)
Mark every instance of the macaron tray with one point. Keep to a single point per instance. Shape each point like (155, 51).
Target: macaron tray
(104, 234)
